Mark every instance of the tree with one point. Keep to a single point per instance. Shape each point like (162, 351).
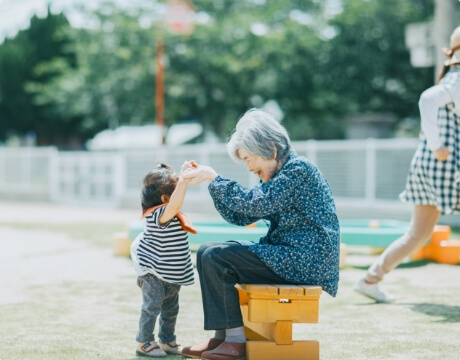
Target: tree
(366, 67)
(113, 83)
(21, 60)
(318, 65)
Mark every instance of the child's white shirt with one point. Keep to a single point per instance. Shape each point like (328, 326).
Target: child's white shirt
(430, 101)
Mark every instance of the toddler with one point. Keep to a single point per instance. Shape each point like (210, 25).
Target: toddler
(161, 258)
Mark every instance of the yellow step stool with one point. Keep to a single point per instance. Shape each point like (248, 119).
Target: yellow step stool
(122, 244)
(268, 314)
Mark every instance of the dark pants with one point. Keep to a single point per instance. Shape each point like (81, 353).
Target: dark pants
(221, 266)
(159, 298)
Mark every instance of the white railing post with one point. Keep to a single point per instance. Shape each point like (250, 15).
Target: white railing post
(370, 171)
(53, 175)
(25, 159)
(119, 177)
(312, 150)
(2, 167)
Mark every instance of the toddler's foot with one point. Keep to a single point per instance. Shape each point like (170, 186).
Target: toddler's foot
(373, 291)
(171, 348)
(150, 349)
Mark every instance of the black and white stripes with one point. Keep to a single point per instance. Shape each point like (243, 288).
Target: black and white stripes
(163, 250)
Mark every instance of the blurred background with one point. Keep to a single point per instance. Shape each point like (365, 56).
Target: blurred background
(94, 93)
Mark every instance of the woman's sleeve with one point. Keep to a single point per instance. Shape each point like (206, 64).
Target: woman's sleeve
(259, 201)
(233, 217)
(430, 102)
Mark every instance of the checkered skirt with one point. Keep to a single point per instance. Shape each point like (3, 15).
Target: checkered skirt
(434, 182)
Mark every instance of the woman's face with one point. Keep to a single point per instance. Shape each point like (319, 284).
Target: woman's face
(263, 168)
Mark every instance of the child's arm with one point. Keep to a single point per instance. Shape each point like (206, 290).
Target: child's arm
(175, 201)
(430, 102)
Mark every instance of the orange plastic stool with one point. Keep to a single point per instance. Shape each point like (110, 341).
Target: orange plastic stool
(440, 248)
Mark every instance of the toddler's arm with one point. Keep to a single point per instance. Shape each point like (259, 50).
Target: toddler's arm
(175, 201)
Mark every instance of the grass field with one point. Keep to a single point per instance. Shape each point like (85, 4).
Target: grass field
(64, 295)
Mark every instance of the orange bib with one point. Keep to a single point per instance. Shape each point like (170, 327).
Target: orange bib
(185, 222)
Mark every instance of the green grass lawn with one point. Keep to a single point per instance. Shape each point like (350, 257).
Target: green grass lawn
(64, 295)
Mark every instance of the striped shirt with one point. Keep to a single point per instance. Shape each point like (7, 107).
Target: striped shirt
(163, 250)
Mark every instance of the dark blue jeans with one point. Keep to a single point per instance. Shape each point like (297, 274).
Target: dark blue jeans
(159, 298)
(221, 266)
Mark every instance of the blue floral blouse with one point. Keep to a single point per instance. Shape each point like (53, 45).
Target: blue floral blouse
(302, 244)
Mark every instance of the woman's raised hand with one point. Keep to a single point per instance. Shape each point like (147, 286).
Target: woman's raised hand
(198, 173)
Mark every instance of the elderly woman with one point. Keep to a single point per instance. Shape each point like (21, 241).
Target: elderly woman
(302, 242)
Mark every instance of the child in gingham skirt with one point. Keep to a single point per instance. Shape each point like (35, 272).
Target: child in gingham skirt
(433, 181)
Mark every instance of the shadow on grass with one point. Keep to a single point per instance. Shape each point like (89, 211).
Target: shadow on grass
(408, 265)
(447, 313)
(444, 313)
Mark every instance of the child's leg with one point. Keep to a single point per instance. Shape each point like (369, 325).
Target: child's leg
(169, 311)
(424, 219)
(153, 292)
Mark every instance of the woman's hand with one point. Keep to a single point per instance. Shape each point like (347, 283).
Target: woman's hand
(198, 174)
(442, 153)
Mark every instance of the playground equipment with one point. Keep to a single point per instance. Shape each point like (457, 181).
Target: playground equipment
(122, 243)
(440, 248)
(361, 232)
(268, 314)
(381, 233)
(371, 232)
(214, 230)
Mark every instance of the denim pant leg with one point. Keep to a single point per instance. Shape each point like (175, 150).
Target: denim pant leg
(153, 292)
(168, 316)
(221, 266)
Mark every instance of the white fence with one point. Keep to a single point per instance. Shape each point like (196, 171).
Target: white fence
(366, 174)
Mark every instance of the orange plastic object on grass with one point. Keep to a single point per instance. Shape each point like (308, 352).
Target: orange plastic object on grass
(440, 248)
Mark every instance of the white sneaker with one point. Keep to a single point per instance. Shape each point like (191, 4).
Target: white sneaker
(171, 348)
(373, 291)
(150, 349)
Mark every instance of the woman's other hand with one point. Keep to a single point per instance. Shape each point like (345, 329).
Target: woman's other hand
(442, 153)
(199, 174)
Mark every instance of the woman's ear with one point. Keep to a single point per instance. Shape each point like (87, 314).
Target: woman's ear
(164, 198)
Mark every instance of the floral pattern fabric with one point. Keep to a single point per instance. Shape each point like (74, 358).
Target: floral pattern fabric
(302, 244)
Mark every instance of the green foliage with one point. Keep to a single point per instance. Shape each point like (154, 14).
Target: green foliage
(318, 65)
(368, 66)
(248, 53)
(21, 61)
(113, 83)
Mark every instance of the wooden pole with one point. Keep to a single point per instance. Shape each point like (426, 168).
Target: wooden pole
(159, 84)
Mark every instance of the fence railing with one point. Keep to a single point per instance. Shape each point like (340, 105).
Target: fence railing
(365, 172)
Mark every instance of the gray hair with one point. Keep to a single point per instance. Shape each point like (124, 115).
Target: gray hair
(258, 133)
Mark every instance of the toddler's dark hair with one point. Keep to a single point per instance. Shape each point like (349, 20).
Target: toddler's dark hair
(160, 181)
